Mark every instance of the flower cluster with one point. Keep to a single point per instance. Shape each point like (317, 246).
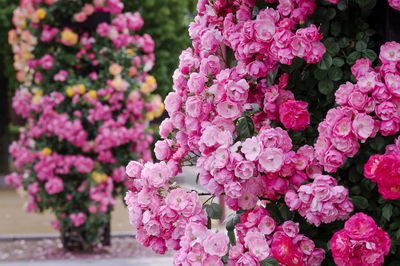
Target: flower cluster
(384, 170)
(366, 108)
(320, 201)
(87, 98)
(259, 237)
(361, 242)
(231, 115)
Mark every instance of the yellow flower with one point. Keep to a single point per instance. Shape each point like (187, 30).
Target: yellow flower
(107, 97)
(47, 151)
(38, 92)
(68, 37)
(103, 178)
(70, 92)
(117, 83)
(145, 88)
(150, 116)
(96, 177)
(92, 94)
(36, 99)
(151, 80)
(82, 88)
(160, 110)
(129, 51)
(41, 13)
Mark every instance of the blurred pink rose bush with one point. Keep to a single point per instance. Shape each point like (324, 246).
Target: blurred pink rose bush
(87, 98)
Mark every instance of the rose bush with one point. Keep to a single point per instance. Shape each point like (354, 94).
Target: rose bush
(255, 106)
(87, 98)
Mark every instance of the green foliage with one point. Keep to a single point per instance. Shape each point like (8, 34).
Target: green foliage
(167, 23)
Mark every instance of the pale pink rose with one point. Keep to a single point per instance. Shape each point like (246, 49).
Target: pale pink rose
(163, 150)
(177, 199)
(173, 102)
(357, 100)
(300, 46)
(343, 92)
(394, 4)
(333, 159)
(389, 127)
(216, 244)
(361, 67)
(307, 246)
(156, 175)
(233, 189)
(267, 225)
(264, 29)
(223, 176)
(290, 228)
(392, 82)
(196, 83)
(257, 245)
(236, 251)
(343, 127)
(194, 106)
(363, 126)
(88, 9)
(237, 91)
(221, 157)
(152, 227)
(248, 200)
(166, 127)
(251, 148)
(210, 66)
(229, 109)
(390, 52)
(134, 169)
(271, 160)
(292, 200)
(244, 170)
(386, 111)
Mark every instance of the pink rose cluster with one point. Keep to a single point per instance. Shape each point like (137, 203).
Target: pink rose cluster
(259, 237)
(320, 201)
(370, 106)
(361, 242)
(161, 221)
(200, 246)
(385, 171)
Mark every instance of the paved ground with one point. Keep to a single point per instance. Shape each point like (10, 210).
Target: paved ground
(103, 262)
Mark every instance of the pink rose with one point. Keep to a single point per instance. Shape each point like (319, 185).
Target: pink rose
(228, 109)
(257, 245)
(293, 115)
(134, 169)
(77, 218)
(216, 244)
(54, 185)
(333, 159)
(156, 175)
(244, 170)
(237, 91)
(46, 61)
(196, 83)
(271, 160)
(194, 106)
(363, 126)
(360, 226)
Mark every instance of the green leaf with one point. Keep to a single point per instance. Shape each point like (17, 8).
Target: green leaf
(337, 61)
(353, 57)
(335, 73)
(331, 46)
(214, 211)
(231, 221)
(245, 128)
(325, 86)
(336, 28)
(269, 262)
(370, 54)
(377, 143)
(320, 74)
(343, 42)
(330, 14)
(360, 202)
(326, 62)
(387, 211)
(342, 5)
(232, 237)
(361, 46)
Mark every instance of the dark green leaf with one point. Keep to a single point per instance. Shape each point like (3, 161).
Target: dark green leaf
(342, 5)
(335, 73)
(331, 46)
(337, 61)
(326, 62)
(360, 202)
(269, 262)
(361, 45)
(232, 220)
(320, 74)
(387, 211)
(336, 28)
(213, 211)
(370, 54)
(245, 127)
(232, 237)
(377, 143)
(353, 57)
(343, 42)
(325, 86)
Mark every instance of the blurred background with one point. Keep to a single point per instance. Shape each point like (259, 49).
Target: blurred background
(29, 236)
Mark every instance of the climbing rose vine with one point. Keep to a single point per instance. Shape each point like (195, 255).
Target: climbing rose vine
(232, 112)
(86, 96)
